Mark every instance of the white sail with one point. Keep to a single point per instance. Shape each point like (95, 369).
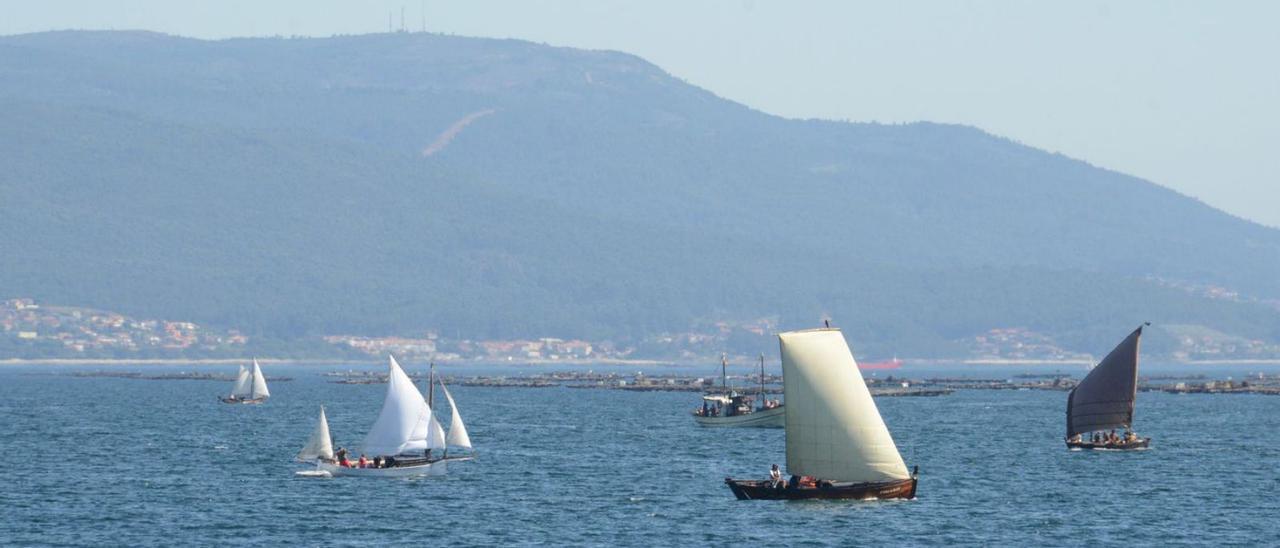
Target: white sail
(435, 434)
(427, 433)
(401, 412)
(320, 446)
(242, 387)
(259, 383)
(457, 431)
(834, 430)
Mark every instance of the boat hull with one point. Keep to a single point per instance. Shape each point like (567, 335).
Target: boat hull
(434, 468)
(764, 490)
(243, 401)
(768, 418)
(1142, 443)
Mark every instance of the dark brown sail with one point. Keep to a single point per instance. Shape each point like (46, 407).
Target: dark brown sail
(1104, 399)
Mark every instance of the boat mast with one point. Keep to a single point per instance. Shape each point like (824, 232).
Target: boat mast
(724, 373)
(762, 380)
(431, 388)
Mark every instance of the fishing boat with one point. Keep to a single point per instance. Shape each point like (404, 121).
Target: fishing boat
(730, 408)
(838, 446)
(403, 437)
(250, 386)
(1104, 401)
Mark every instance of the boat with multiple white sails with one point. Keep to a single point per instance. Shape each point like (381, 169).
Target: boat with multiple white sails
(731, 408)
(402, 439)
(250, 386)
(1104, 400)
(838, 446)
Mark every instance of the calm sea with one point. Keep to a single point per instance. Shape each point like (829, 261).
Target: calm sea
(134, 462)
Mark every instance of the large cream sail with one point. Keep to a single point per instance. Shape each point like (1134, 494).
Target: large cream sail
(834, 430)
(320, 446)
(259, 383)
(457, 431)
(242, 387)
(400, 414)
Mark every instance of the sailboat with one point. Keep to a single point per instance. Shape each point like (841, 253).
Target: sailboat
(1104, 401)
(837, 445)
(250, 387)
(319, 448)
(320, 445)
(404, 435)
(730, 408)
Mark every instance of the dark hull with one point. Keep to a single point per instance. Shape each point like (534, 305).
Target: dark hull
(763, 490)
(238, 400)
(1084, 445)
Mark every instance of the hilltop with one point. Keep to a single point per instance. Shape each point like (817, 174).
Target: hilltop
(397, 183)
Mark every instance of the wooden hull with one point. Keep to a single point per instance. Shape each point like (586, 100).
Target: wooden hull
(763, 490)
(257, 401)
(768, 418)
(1142, 443)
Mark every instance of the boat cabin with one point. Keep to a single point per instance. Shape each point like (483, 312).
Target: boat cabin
(725, 405)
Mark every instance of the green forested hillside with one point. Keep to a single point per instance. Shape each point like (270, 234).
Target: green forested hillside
(281, 187)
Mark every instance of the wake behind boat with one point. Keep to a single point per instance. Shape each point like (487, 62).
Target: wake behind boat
(402, 439)
(249, 387)
(730, 408)
(837, 445)
(1104, 400)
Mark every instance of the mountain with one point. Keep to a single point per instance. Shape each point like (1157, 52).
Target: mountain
(393, 183)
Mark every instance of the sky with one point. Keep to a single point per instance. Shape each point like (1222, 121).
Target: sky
(1184, 94)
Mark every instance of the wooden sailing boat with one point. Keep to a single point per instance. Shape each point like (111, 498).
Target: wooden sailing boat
(730, 408)
(1104, 401)
(249, 387)
(405, 434)
(837, 445)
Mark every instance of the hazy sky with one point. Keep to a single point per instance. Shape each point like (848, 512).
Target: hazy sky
(1186, 94)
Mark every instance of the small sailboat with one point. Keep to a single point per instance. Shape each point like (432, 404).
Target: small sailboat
(403, 437)
(320, 445)
(1104, 401)
(731, 408)
(249, 387)
(837, 444)
(319, 448)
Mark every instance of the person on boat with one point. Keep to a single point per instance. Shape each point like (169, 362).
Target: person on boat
(364, 463)
(775, 476)
(1074, 439)
(342, 458)
(377, 461)
(389, 462)
(795, 482)
(705, 410)
(427, 454)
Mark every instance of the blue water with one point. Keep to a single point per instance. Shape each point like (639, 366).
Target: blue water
(135, 462)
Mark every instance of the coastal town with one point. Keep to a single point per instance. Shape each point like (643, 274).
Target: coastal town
(33, 330)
